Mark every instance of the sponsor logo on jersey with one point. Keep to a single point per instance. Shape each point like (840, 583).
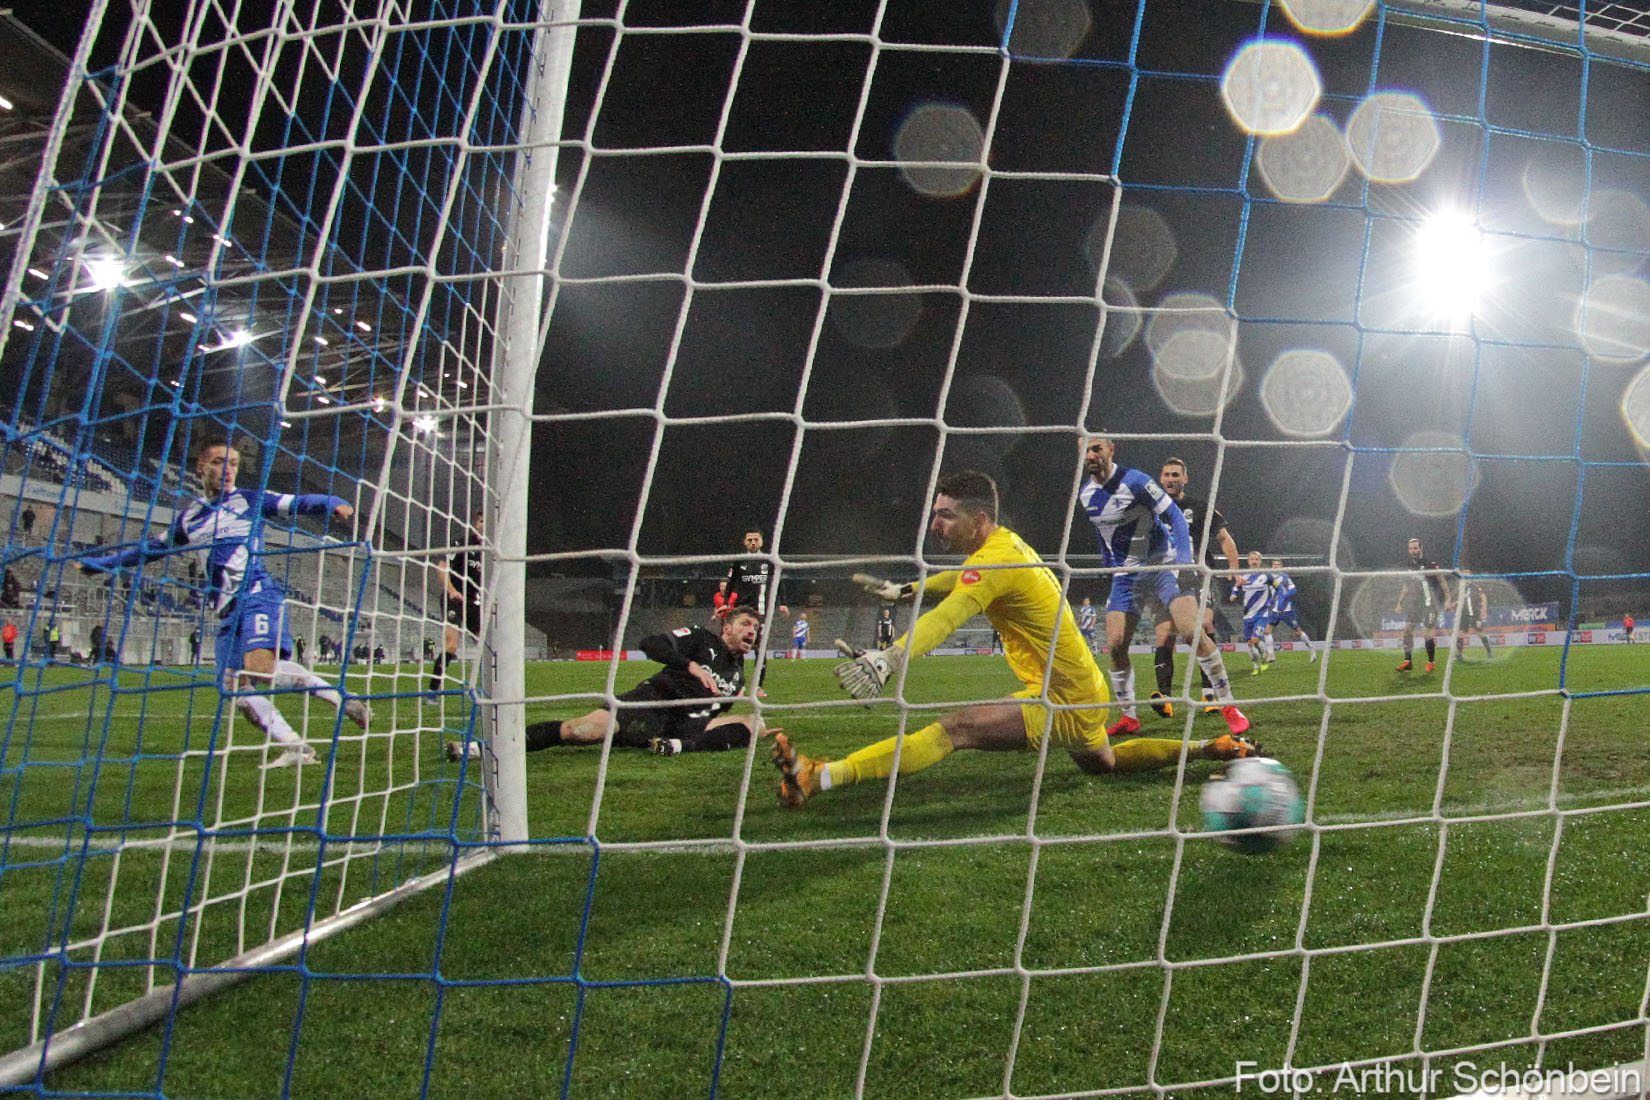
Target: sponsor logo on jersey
(682, 631)
(971, 576)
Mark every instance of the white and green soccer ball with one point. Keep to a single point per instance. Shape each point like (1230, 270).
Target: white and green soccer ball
(1253, 793)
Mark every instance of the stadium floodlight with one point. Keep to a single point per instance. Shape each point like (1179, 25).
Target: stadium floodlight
(426, 424)
(5, 104)
(105, 272)
(1452, 268)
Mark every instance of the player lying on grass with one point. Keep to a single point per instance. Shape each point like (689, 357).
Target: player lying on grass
(254, 643)
(679, 708)
(1024, 602)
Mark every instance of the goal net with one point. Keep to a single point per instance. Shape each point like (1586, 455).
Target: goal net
(1372, 273)
(283, 238)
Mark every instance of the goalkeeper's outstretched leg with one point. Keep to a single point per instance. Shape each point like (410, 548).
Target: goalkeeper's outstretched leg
(993, 727)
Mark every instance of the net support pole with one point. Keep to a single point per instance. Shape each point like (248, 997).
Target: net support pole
(515, 366)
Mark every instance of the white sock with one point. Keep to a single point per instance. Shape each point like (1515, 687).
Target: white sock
(1254, 654)
(1215, 670)
(291, 674)
(263, 714)
(1122, 688)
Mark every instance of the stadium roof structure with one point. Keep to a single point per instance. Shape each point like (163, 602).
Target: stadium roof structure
(213, 287)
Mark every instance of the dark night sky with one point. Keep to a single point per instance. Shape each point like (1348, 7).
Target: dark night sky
(686, 344)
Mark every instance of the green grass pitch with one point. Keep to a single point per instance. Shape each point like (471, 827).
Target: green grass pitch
(1475, 874)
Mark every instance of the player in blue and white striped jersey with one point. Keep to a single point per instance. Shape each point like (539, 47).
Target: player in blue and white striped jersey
(1254, 588)
(1088, 623)
(254, 641)
(1138, 525)
(1283, 610)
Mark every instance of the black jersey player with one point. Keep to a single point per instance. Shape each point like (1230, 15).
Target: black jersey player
(681, 707)
(1423, 599)
(461, 587)
(750, 582)
(1209, 535)
(1470, 610)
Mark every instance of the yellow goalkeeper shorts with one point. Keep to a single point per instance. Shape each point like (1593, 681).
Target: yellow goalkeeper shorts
(1081, 727)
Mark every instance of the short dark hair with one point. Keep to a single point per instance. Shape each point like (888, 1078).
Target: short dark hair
(224, 441)
(1173, 461)
(975, 491)
(751, 611)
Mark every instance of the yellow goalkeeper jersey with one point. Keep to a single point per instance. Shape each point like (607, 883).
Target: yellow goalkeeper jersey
(1025, 605)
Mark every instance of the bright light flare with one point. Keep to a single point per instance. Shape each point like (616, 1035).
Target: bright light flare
(1452, 268)
(425, 424)
(1270, 86)
(105, 272)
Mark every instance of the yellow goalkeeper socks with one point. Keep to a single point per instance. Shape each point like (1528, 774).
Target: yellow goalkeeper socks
(923, 749)
(1143, 754)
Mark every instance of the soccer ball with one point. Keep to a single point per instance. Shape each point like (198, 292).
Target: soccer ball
(1253, 792)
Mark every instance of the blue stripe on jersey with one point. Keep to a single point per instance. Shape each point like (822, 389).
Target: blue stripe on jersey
(1257, 591)
(1283, 594)
(1130, 525)
(222, 532)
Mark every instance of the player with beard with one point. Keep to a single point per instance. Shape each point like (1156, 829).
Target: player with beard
(678, 709)
(750, 583)
(1209, 532)
(1137, 525)
(1003, 579)
(1421, 602)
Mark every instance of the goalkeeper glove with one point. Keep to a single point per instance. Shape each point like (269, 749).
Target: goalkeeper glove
(848, 649)
(864, 676)
(884, 590)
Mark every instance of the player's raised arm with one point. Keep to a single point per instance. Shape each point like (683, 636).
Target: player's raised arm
(144, 551)
(280, 505)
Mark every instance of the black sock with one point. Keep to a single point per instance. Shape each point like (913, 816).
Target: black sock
(1487, 651)
(543, 735)
(1163, 662)
(1204, 676)
(441, 662)
(1432, 651)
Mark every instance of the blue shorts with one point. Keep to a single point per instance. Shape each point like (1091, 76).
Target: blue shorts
(1285, 617)
(1165, 586)
(1254, 626)
(258, 621)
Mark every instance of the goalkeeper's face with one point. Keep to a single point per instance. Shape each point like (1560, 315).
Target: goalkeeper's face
(957, 529)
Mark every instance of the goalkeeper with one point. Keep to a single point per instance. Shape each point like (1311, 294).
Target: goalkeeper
(1004, 579)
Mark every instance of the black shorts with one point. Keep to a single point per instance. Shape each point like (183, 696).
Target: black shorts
(465, 614)
(1422, 616)
(1469, 622)
(637, 725)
